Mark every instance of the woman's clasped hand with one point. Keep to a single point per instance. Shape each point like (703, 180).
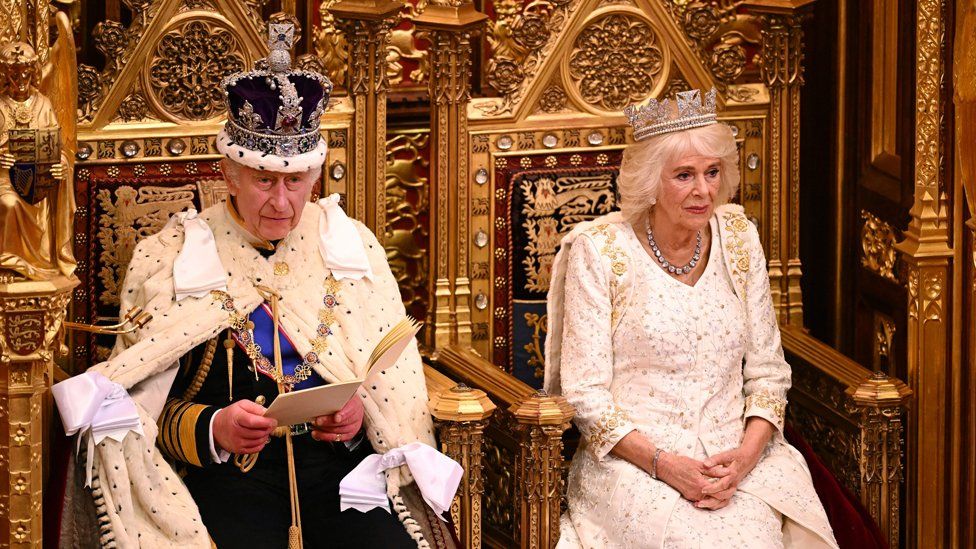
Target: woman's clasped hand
(710, 483)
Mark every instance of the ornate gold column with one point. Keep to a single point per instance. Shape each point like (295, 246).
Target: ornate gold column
(878, 402)
(541, 420)
(31, 316)
(461, 414)
(450, 24)
(927, 257)
(366, 24)
(36, 277)
(782, 68)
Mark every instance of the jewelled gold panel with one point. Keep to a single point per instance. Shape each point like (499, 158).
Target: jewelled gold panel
(408, 215)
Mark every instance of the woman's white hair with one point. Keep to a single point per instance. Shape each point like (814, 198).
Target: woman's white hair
(644, 161)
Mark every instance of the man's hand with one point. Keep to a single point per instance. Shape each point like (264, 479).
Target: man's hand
(7, 160)
(341, 426)
(241, 428)
(725, 472)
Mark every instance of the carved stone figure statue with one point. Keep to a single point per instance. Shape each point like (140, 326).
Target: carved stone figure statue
(37, 205)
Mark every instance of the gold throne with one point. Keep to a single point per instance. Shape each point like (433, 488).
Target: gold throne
(509, 172)
(145, 150)
(519, 168)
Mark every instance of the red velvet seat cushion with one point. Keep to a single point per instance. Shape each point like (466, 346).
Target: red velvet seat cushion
(852, 524)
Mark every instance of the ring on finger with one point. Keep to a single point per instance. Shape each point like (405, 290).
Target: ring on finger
(338, 437)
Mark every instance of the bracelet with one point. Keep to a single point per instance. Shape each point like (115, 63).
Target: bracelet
(657, 454)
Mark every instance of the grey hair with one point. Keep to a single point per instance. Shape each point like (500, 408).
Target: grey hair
(644, 161)
(232, 169)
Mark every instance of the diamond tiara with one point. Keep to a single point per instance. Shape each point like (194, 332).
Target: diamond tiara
(657, 117)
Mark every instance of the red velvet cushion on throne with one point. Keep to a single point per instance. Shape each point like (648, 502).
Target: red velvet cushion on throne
(852, 524)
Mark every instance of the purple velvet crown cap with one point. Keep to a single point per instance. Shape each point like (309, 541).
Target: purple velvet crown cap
(274, 111)
(266, 102)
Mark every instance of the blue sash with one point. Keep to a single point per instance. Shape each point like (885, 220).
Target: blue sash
(264, 336)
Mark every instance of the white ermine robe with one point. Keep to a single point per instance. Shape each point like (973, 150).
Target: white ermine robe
(140, 499)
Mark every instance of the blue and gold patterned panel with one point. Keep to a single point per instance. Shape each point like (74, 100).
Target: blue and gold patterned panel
(543, 204)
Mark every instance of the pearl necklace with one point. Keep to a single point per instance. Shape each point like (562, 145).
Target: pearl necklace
(665, 264)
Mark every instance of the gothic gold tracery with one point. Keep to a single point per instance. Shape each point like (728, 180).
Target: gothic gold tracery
(617, 60)
(187, 66)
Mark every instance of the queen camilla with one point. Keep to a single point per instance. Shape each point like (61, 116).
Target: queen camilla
(663, 337)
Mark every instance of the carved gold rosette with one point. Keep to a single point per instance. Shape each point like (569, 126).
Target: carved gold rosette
(31, 316)
(167, 64)
(878, 246)
(187, 66)
(617, 60)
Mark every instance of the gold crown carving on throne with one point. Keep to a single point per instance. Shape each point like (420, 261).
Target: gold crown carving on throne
(657, 117)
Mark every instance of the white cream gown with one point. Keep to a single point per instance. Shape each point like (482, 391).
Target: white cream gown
(684, 366)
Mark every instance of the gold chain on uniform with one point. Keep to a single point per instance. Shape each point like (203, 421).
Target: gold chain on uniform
(245, 334)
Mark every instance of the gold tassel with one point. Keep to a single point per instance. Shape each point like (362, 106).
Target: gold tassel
(254, 364)
(202, 371)
(295, 530)
(229, 347)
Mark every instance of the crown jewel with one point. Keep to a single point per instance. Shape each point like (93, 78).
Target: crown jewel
(657, 117)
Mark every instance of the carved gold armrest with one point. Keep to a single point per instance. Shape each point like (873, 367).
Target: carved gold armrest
(461, 414)
(879, 402)
(541, 420)
(876, 402)
(538, 422)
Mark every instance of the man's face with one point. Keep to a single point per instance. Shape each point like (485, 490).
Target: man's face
(270, 203)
